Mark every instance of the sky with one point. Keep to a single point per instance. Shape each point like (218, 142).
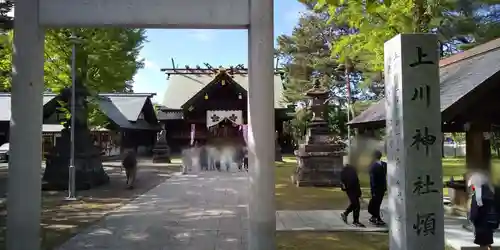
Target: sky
(196, 47)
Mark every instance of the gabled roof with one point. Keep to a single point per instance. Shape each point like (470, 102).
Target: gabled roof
(181, 88)
(124, 109)
(459, 75)
(223, 76)
(128, 104)
(5, 106)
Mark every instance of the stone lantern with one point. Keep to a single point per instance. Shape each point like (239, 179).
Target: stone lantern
(320, 158)
(161, 150)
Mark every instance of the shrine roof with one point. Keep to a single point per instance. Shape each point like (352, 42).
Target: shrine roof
(181, 88)
(459, 75)
(128, 104)
(122, 108)
(5, 106)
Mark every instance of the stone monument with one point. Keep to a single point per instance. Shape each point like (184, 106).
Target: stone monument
(161, 150)
(320, 159)
(89, 171)
(413, 130)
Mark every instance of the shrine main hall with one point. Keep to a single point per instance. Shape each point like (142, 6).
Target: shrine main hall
(209, 106)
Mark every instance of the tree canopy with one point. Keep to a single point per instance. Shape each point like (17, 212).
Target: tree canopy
(456, 22)
(5, 26)
(306, 56)
(106, 61)
(335, 33)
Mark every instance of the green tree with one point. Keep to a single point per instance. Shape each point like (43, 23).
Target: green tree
(5, 40)
(107, 60)
(5, 61)
(306, 55)
(455, 21)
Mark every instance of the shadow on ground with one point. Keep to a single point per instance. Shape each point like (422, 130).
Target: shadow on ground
(199, 212)
(62, 219)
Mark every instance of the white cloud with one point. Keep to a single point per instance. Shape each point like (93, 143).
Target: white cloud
(151, 65)
(203, 35)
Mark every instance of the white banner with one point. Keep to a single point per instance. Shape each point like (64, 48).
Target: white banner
(244, 130)
(216, 116)
(193, 130)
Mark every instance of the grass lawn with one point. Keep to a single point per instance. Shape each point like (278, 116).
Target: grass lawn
(62, 219)
(337, 241)
(327, 241)
(290, 197)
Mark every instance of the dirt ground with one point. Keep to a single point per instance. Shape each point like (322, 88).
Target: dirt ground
(62, 219)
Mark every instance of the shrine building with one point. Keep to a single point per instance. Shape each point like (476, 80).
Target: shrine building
(469, 87)
(209, 106)
(132, 122)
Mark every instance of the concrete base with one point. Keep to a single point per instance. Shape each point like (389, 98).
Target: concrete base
(161, 157)
(316, 183)
(318, 169)
(89, 169)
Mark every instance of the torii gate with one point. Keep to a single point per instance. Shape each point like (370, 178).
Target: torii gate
(32, 16)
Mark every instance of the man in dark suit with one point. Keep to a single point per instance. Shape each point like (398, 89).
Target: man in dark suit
(351, 186)
(378, 184)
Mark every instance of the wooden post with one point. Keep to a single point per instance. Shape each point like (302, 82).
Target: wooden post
(478, 148)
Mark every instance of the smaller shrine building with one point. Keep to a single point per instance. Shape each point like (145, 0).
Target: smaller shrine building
(132, 122)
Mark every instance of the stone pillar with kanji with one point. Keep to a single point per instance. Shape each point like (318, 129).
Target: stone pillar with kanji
(413, 129)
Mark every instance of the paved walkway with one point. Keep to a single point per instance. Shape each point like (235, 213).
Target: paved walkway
(329, 221)
(321, 220)
(208, 211)
(202, 212)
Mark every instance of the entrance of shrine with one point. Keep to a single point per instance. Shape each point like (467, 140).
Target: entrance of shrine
(225, 128)
(33, 16)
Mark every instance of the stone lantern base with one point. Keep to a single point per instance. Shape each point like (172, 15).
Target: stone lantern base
(318, 165)
(161, 153)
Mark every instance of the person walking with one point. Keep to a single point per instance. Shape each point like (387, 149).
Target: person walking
(204, 158)
(482, 212)
(351, 186)
(378, 185)
(245, 158)
(130, 165)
